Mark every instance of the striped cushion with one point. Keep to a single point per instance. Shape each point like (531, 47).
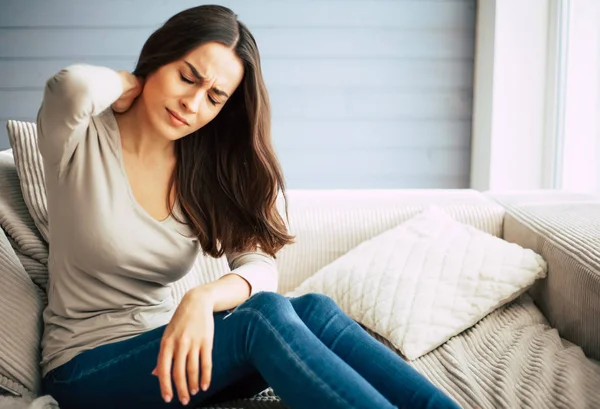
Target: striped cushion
(565, 229)
(21, 301)
(29, 162)
(29, 167)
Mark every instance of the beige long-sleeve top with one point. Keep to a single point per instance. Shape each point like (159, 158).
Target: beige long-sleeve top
(110, 263)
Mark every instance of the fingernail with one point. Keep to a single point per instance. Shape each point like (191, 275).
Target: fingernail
(167, 398)
(194, 391)
(204, 387)
(184, 401)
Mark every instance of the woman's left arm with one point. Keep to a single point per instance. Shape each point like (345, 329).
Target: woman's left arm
(251, 272)
(257, 268)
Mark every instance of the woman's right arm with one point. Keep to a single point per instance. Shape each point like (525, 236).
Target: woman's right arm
(71, 97)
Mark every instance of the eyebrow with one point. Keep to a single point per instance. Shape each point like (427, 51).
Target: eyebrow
(201, 78)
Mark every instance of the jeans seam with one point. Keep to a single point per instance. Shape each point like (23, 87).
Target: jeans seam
(295, 356)
(107, 363)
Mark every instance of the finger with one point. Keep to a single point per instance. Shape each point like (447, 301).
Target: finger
(193, 371)
(122, 104)
(206, 361)
(179, 371)
(163, 369)
(117, 106)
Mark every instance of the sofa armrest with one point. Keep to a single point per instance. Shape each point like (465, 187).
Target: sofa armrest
(564, 228)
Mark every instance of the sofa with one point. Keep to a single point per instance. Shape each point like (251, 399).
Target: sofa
(540, 350)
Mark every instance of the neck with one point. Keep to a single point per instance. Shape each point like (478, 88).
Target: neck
(137, 136)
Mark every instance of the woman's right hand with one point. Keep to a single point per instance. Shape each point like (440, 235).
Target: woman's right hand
(185, 354)
(132, 88)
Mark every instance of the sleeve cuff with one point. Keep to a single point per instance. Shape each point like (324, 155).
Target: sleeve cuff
(258, 269)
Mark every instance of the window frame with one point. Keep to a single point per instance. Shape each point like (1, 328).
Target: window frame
(529, 129)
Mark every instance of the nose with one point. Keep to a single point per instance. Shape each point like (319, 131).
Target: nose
(191, 102)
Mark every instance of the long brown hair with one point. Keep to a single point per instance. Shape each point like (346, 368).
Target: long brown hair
(227, 177)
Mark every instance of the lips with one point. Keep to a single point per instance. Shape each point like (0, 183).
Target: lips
(178, 117)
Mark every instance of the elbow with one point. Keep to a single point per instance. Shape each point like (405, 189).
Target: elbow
(64, 93)
(63, 86)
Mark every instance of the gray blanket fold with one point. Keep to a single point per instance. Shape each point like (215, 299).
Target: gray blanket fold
(513, 359)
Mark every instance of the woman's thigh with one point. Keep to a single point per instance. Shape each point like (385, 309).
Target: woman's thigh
(119, 374)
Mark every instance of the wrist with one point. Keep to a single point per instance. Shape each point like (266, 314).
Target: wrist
(203, 293)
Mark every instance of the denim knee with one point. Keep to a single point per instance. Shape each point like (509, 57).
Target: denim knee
(275, 306)
(316, 301)
(266, 301)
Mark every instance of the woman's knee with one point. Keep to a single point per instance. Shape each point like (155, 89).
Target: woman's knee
(266, 302)
(314, 301)
(276, 307)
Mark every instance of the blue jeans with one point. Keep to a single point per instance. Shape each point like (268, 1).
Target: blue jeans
(311, 353)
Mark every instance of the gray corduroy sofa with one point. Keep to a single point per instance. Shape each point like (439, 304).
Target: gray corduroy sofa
(539, 351)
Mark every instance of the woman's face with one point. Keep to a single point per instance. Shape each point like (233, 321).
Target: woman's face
(183, 96)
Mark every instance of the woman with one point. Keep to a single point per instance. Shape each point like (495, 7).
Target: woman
(144, 169)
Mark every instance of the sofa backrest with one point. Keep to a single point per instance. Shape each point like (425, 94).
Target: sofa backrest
(328, 223)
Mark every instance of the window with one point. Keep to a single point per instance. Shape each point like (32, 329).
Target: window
(536, 117)
(577, 111)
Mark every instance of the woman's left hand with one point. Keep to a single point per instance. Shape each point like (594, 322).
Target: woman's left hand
(186, 342)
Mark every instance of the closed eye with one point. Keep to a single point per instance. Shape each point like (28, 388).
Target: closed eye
(185, 79)
(188, 81)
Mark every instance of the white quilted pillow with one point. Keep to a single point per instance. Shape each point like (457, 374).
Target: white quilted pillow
(426, 280)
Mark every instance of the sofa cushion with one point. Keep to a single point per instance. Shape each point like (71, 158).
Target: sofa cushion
(29, 167)
(426, 280)
(28, 160)
(21, 301)
(564, 228)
